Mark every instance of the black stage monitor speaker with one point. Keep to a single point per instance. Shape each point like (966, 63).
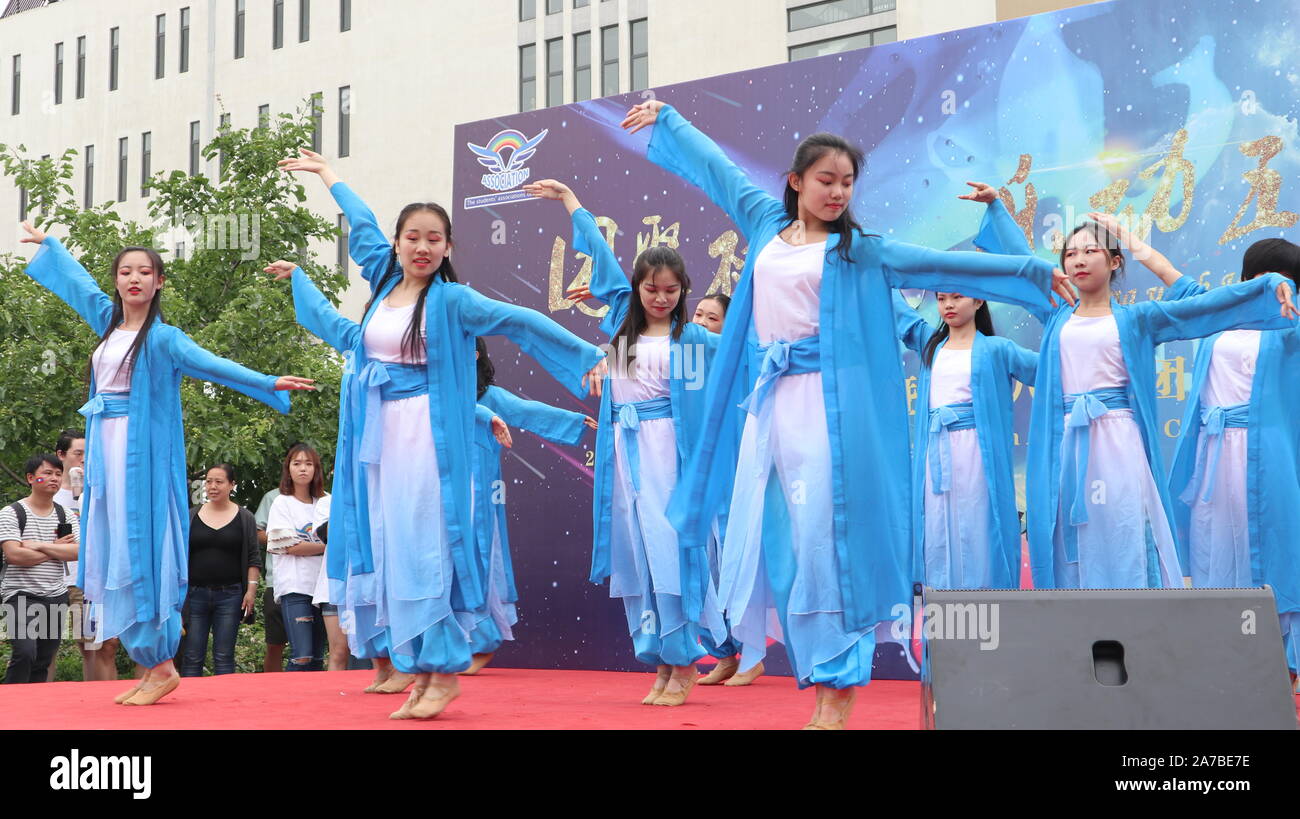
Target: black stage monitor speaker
(1106, 658)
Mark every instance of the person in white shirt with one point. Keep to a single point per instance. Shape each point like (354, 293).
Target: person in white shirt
(296, 555)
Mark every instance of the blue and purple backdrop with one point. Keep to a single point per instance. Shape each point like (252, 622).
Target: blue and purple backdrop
(1180, 113)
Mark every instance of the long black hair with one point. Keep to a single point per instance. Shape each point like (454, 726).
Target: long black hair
(983, 323)
(651, 260)
(813, 148)
(411, 342)
(487, 374)
(1107, 240)
(1272, 256)
(155, 311)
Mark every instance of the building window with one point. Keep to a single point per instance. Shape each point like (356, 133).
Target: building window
(345, 15)
(527, 77)
(81, 67)
(18, 84)
(223, 128)
(194, 149)
(527, 10)
(263, 116)
(160, 47)
(839, 44)
(122, 149)
(239, 28)
(146, 162)
(582, 66)
(578, 4)
(555, 72)
(609, 61)
(317, 119)
(834, 11)
(58, 73)
(114, 44)
(341, 253)
(640, 55)
(554, 6)
(89, 181)
(345, 121)
(277, 24)
(304, 20)
(185, 40)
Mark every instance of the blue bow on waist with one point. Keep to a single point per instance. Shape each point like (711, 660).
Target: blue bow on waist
(1214, 420)
(384, 382)
(945, 419)
(1082, 410)
(101, 407)
(629, 416)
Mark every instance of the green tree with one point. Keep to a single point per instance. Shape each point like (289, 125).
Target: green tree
(216, 291)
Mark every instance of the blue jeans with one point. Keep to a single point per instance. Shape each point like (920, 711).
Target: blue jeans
(215, 609)
(306, 631)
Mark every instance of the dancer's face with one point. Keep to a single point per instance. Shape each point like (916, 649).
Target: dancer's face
(422, 244)
(137, 280)
(218, 485)
(301, 469)
(1088, 264)
(660, 291)
(957, 310)
(46, 480)
(826, 187)
(708, 313)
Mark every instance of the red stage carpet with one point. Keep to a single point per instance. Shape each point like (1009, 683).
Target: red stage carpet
(498, 698)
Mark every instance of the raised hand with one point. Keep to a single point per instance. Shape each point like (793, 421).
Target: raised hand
(280, 269)
(595, 378)
(293, 382)
(547, 189)
(309, 161)
(1062, 287)
(579, 294)
(501, 432)
(1284, 296)
(982, 193)
(34, 234)
(641, 116)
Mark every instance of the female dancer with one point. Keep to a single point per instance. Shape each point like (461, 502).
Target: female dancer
(964, 522)
(824, 451)
(1097, 516)
(653, 415)
(711, 312)
(405, 430)
(491, 624)
(134, 564)
(1238, 457)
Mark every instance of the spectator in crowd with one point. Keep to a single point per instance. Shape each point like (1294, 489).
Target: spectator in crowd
(39, 537)
(225, 563)
(297, 554)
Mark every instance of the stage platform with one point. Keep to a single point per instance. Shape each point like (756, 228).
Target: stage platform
(497, 698)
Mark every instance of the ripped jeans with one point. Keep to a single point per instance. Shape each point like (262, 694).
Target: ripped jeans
(306, 631)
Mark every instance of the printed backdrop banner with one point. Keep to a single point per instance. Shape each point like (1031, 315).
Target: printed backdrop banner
(1179, 114)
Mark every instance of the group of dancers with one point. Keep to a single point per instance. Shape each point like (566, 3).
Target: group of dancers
(751, 465)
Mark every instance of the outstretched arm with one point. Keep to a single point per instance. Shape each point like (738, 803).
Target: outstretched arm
(913, 330)
(680, 147)
(569, 359)
(55, 269)
(1263, 303)
(197, 362)
(314, 311)
(367, 244)
(552, 423)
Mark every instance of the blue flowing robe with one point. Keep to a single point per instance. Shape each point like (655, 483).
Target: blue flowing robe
(1249, 305)
(1272, 466)
(157, 503)
(696, 345)
(454, 316)
(862, 375)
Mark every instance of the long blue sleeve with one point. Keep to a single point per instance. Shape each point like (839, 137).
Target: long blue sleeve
(319, 317)
(1184, 287)
(1248, 305)
(367, 244)
(484, 416)
(197, 362)
(551, 423)
(565, 356)
(913, 330)
(681, 148)
(608, 281)
(54, 268)
(999, 233)
(1023, 281)
(1021, 363)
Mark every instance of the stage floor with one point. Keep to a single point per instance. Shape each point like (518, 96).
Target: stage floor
(498, 698)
